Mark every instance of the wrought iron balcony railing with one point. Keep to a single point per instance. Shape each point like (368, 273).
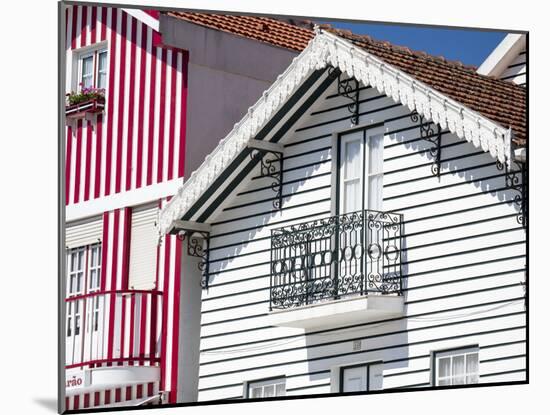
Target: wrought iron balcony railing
(341, 256)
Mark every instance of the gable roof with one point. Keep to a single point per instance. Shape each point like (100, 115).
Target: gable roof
(500, 101)
(272, 31)
(387, 75)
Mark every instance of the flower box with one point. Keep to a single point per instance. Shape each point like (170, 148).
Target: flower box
(87, 101)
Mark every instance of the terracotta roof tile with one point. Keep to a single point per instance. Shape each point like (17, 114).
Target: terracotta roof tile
(500, 101)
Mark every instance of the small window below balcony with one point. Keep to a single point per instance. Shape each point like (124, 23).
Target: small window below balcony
(456, 366)
(266, 388)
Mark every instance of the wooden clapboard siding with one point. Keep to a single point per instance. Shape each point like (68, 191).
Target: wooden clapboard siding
(464, 260)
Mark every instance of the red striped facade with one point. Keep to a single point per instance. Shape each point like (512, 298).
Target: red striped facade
(138, 140)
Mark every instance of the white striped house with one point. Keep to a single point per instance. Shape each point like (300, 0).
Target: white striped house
(463, 248)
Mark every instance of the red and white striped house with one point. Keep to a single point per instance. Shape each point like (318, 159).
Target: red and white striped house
(132, 324)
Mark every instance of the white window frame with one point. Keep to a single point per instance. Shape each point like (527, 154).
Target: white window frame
(366, 134)
(78, 57)
(74, 308)
(263, 384)
(451, 354)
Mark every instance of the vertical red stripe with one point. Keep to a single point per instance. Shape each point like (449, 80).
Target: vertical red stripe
(76, 402)
(164, 333)
(67, 403)
(175, 325)
(139, 391)
(150, 389)
(104, 250)
(131, 98)
(183, 112)
(132, 327)
(97, 398)
(110, 103)
(103, 30)
(78, 163)
(142, 327)
(152, 337)
(69, 149)
(88, 161)
(128, 393)
(86, 400)
(110, 345)
(172, 125)
(122, 329)
(151, 109)
(98, 137)
(93, 26)
(73, 31)
(83, 25)
(118, 394)
(160, 162)
(141, 93)
(107, 397)
(126, 248)
(121, 99)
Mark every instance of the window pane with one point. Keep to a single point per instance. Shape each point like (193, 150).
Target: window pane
(352, 196)
(375, 192)
(256, 392)
(458, 365)
(444, 382)
(280, 389)
(77, 325)
(352, 159)
(376, 151)
(472, 368)
(102, 63)
(269, 390)
(69, 322)
(444, 367)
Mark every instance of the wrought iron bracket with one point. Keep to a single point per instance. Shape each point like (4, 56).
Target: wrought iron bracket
(271, 168)
(198, 246)
(516, 179)
(433, 137)
(349, 88)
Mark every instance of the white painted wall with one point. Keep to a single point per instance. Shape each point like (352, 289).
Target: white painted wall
(464, 263)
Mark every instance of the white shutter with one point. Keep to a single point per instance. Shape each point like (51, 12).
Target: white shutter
(143, 248)
(84, 232)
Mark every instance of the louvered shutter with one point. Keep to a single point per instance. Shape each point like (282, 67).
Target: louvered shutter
(143, 248)
(84, 232)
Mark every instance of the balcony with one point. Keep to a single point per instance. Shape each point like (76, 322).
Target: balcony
(82, 109)
(95, 337)
(337, 270)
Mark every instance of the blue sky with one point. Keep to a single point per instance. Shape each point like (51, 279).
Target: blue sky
(471, 47)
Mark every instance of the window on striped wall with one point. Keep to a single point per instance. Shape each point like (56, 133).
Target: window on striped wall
(456, 366)
(91, 68)
(83, 279)
(266, 388)
(83, 247)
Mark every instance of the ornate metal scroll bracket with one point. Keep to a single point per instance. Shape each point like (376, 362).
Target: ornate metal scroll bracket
(271, 168)
(516, 179)
(434, 137)
(197, 236)
(349, 88)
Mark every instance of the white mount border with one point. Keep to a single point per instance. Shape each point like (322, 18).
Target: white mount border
(328, 49)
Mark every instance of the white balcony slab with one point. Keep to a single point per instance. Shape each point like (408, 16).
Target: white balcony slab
(110, 377)
(339, 312)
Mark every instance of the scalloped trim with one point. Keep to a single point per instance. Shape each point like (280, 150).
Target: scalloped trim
(323, 50)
